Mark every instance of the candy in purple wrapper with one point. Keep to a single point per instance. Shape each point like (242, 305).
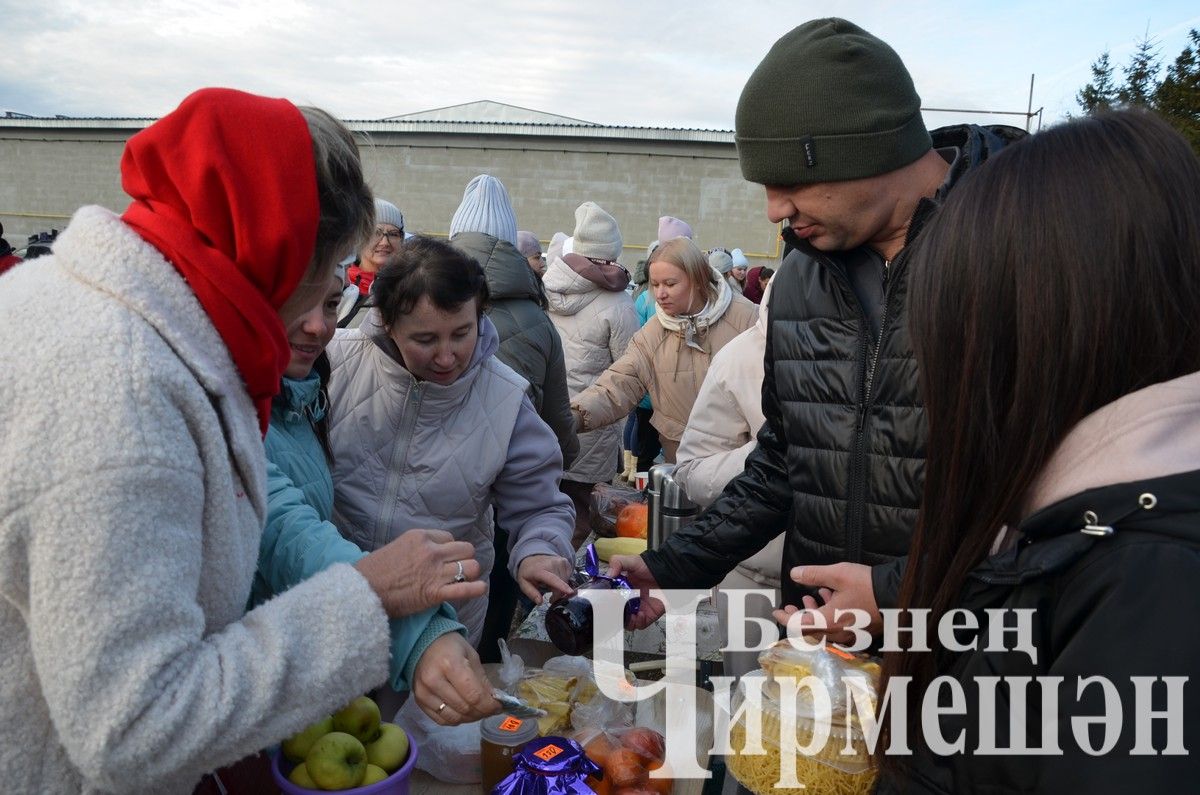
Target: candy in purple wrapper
(550, 766)
(569, 620)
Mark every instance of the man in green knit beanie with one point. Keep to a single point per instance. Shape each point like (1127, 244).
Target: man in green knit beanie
(830, 125)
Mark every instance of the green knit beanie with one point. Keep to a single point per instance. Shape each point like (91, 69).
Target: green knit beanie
(830, 102)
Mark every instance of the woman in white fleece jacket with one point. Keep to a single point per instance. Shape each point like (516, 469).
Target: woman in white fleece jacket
(720, 433)
(133, 473)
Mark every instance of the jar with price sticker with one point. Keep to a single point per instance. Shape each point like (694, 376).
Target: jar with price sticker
(502, 736)
(550, 764)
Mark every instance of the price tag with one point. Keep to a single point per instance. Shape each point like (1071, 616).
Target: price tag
(548, 753)
(510, 724)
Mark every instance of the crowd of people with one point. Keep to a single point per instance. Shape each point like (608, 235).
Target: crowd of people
(268, 462)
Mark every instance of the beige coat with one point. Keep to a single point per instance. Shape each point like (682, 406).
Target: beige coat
(659, 362)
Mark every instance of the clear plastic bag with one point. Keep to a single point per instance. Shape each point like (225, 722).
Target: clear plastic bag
(843, 764)
(607, 501)
(448, 753)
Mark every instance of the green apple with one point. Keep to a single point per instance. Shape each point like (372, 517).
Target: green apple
(337, 761)
(375, 774)
(359, 718)
(295, 748)
(390, 749)
(299, 776)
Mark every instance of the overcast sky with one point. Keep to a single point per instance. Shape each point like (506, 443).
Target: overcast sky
(638, 62)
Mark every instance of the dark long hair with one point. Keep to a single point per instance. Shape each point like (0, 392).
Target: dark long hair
(323, 369)
(1061, 276)
(425, 267)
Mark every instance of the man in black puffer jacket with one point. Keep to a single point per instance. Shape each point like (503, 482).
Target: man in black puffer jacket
(830, 124)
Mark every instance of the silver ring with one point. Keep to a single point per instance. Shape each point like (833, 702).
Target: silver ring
(441, 707)
(460, 577)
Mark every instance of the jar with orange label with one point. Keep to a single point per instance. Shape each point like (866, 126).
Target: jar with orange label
(502, 736)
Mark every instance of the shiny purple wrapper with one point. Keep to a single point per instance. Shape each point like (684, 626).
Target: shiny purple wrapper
(549, 766)
(591, 565)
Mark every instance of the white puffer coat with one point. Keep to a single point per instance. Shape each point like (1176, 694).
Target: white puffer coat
(596, 319)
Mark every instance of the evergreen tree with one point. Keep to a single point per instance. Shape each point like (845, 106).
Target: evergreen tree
(1140, 75)
(1177, 97)
(1101, 93)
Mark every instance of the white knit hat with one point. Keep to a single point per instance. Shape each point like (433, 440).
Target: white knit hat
(720, 261)
(486, 208)
(388, 213)
(596, 234)
(739, 259)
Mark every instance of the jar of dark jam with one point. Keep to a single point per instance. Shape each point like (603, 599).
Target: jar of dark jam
(570, 624)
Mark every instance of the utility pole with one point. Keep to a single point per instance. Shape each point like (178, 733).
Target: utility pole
(1029, 108)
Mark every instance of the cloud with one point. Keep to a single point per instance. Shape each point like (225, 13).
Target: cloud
(622, 62)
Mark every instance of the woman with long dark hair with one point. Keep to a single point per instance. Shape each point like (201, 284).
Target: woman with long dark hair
(1055, 306)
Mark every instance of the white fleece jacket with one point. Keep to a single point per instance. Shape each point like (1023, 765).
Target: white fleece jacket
(132, 502)
(721, 432)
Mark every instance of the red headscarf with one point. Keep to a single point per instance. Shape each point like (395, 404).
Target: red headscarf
(225, 187)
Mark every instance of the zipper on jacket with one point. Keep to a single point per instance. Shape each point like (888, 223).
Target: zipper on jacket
(856, 501)
(386, 514)
(875, 351)
(856, 489)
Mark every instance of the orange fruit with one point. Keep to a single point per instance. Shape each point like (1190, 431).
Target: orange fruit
(633, 520)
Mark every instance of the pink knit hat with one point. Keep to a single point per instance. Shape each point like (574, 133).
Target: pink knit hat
(670, 228)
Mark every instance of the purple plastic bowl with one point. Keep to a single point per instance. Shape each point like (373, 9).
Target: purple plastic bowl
(395, 784)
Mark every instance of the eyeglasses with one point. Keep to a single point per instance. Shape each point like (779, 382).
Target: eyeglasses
(392, 236)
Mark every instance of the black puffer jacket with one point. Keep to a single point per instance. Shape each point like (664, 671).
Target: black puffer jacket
(842, 452)
(1115, 606)
(529, 343)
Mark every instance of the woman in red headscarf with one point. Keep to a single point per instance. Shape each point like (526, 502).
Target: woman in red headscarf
(134, 480)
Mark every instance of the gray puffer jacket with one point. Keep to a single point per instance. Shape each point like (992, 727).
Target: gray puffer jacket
(415, 454)
(528, 342)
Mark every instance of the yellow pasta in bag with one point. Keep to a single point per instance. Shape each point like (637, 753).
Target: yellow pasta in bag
(843, 764)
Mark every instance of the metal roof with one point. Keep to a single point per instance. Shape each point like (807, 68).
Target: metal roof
(487, 110)
(531, 129)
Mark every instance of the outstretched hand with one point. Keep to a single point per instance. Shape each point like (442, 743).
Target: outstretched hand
(842, 586)
(537, 573)
(420, 569)
(449, 683)
(635, 570)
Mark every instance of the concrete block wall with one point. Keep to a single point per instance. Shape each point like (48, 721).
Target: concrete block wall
(47, 180)
(50, 173)
(546, 185)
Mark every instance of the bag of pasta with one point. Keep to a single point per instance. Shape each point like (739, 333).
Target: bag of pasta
(798, 723)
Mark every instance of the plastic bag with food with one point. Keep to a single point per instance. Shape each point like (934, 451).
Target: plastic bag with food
(607, 502)
(842, 764)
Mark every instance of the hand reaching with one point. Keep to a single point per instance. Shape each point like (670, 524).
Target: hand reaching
(548, 571)
(449, 683)
(842, 586)
(635, 570)
(421, 569)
